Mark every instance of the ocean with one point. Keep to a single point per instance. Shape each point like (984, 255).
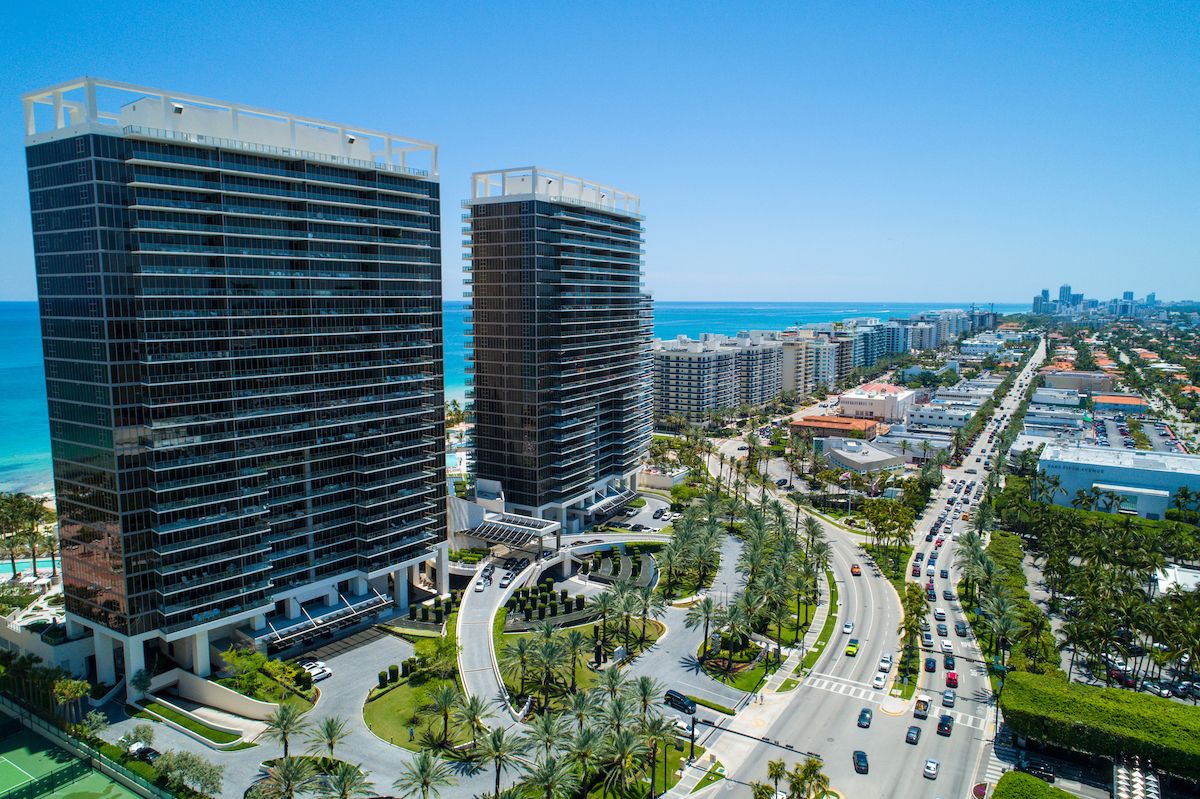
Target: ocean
(25, 432)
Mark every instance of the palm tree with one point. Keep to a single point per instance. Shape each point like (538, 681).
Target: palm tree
(605, 604)
(702, 613)
(624, 760)
(807, 780)
(516, 655)
(760, 790)
(503, 750)
(287, 777)
(575, 645)
(284, 724)
(471, 712)
(583, 706)
(612, 682)
(585, 750)
(442, 701)
(327, 734)
(617, 714)
(423, 775)
(346, 781)
(776, 771)
(659, 732)
(33, 511)
(549, 731)
(651, 605)
(553, 777)
(646, 692)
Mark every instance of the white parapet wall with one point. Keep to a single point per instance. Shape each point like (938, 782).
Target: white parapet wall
(207, 692)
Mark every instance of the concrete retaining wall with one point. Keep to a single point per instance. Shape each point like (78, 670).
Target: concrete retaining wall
(206, 692)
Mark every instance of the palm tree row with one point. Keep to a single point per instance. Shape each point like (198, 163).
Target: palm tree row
(805, 780)
(23, 523)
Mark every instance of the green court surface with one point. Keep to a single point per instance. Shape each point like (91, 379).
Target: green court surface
(32, 767)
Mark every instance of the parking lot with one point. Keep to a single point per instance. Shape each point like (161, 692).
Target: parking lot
(1112, 431)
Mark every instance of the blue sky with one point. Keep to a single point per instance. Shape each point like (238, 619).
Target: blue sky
(793, 151)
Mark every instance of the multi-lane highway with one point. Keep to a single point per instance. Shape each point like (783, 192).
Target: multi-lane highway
(821, 715)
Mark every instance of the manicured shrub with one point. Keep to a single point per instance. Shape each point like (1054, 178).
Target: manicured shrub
(562, 595)
(438, 613)
(579, 602)
(412, 612)
(424, 613)
(528, 613)
(383, 679)
(406, 668)
(553, 609)
(393, 673)
(541, 614)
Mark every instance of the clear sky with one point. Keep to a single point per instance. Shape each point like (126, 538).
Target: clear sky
(792, 151)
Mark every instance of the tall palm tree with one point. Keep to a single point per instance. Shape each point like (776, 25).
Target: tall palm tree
(423, 775)
(624, 761)
(549, 731)
(776, 771)
(516, 655)
(503, 750)
(646, 691)
(327, 734)
(284, 724)
(583, 707)
(552, 777)
(605, 604)
(702, 613)
(346, 781)
(442, 701)
(586, 750)
(472, 712)
(659, 732)
(574, 645)
(612, 682)
(651, 605)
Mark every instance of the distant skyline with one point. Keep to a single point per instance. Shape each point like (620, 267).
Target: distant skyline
(783, 152)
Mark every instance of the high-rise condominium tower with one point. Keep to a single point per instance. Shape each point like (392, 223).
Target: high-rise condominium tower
(560, 331)
(242, 332)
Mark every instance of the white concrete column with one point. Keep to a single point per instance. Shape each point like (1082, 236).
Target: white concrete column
(291, 606)
(135, 661)
(414, 573)
(201, 666)
(259, 622)
(331, 599)
(359, 586)
(443, 570)
(400, 589)
(74, 629)
(106, 670)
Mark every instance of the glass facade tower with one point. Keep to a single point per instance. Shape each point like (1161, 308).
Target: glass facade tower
(560, 330)
(241, 317)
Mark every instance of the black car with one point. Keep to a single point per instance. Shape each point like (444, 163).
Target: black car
(945, 725)
(658, 512)
(948, 662)
(860, 761)
(948, 595)
(1036, 768)
(864, 717)
(930, 664)
(913, 735)
(929, 536)
(960, 629)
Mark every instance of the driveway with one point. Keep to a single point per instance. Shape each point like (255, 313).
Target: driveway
(355, 661)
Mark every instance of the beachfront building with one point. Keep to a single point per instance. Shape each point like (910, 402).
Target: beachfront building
(882, 401)
(560, 336)
(692, 379)
(1127, 481)
(242, 332)
(758, 366)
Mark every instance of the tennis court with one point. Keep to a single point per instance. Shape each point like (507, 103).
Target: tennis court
(32, 767)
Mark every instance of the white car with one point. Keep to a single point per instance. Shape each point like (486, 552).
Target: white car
(947, 648)
(879, 681)
(320, 674)
(885, 664)
(848, 628)
(310, 665)
(931, 769)
(479, 586)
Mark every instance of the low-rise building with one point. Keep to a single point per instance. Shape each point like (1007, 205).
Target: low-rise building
(882, 401)
(1085, 382)
(939, 414)
(1142, 482)
(1066, 397)
(837, 426)
(1119, 403)
(859, 456)
(917, 446)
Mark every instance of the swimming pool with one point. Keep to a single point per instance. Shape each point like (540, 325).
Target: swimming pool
(43, 566)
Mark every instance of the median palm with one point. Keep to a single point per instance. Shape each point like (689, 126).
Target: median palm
(424, 775)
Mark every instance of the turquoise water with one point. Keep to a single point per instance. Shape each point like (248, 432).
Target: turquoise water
(25, 433)
(23, 565)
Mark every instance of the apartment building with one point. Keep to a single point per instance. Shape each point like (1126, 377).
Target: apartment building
(243, 345)
(560, 331)
(692, 379)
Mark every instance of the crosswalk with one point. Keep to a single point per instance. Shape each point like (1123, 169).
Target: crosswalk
(859, 691)
(1001, 757)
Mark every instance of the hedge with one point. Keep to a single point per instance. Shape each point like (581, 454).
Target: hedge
(1006, 552)
(1017, 785)
(1111, 722)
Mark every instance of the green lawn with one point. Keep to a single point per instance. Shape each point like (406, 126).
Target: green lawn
(198, 727)
(885, 557)
(267, 690)
(714, 775)
(391, 714)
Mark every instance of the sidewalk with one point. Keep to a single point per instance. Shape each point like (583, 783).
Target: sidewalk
(796, 654)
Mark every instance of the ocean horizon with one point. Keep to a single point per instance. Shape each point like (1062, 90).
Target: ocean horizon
(25, 436)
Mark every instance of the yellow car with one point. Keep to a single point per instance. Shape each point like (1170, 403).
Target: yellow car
(966, 517)
(852, 647)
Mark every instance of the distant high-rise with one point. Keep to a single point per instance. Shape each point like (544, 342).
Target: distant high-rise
(1064, 294)
(1127, 296)
(1046, 295)
(1151, 299)
(560, 342)
(242, 335)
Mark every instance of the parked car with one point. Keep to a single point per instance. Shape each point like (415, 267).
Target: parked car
(1156, 688)
(1035, 768)
(679, 702)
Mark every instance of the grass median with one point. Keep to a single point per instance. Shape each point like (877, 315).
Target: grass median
(831, 620)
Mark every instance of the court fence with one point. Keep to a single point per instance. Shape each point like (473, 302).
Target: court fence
(48, 783)
(90, 758)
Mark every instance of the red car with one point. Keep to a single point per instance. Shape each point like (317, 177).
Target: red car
(952, 679)
(1122, 678)
(916, 571)
(938, 543)
(855, 570)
